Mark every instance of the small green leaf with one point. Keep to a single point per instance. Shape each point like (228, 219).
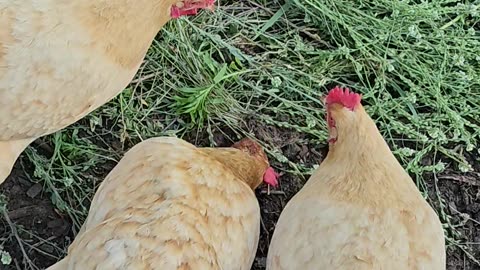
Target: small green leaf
(6, 259)
(220, 74)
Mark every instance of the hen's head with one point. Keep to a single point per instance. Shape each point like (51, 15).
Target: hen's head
(190, 7)
(264, 172)
(342, 113)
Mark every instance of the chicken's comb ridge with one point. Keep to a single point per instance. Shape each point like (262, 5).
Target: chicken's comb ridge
(343, 96)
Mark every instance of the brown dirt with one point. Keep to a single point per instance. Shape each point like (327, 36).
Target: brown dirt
(38, 223)
(31, 209)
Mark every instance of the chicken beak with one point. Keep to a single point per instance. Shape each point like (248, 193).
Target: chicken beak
(211, 8)
(204, 4)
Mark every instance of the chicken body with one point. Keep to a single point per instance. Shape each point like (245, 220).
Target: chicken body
(359, 210)
(170, 205)
(61, 59)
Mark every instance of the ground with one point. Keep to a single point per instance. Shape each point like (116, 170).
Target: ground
(259, 68)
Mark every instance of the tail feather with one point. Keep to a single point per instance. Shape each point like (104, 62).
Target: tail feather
(9, 152)
(61, 265)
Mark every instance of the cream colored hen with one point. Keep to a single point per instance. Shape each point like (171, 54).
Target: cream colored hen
(61, 59)
(360, 210)
(169, 205)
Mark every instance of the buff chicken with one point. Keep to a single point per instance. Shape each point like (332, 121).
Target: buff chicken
(360, 209)
(170, 205)
(62, 59)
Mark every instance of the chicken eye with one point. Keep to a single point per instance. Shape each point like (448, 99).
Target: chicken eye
(330, 121)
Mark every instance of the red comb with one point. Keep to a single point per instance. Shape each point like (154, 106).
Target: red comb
(191, 7)
(343, 96)
(271, 177)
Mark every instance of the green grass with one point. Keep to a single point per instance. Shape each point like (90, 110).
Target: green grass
(415, 62)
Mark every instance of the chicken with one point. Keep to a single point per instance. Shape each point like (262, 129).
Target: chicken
(169, 205)
(360, 209)
(62, 59)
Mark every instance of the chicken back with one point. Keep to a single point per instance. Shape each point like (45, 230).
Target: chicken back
(169, 205)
